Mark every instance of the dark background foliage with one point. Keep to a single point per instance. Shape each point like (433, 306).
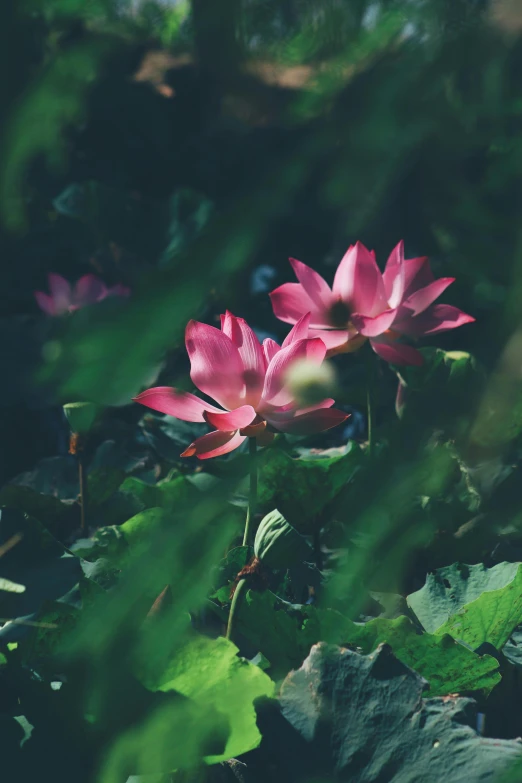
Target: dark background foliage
(182, 150)
(187, 149)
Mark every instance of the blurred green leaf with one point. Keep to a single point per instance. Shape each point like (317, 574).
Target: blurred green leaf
(444, 390)
(55, 102)
(170, 493)
(155, 746)
(11, 587)
(209, 672)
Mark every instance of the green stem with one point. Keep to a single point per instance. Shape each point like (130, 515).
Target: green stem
(252, 498)
(237, 600)
(83, 493)
(369, 402)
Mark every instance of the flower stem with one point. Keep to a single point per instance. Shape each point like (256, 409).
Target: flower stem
(370, 402)
(252, 498)
(83, 493)
(76, 446)
(237, 600)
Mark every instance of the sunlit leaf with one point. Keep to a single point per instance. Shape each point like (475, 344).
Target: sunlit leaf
(284, 633)
(209, 672)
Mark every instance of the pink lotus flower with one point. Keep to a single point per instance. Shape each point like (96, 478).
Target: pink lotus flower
(365, 304)
(248, 380)
(63, 298)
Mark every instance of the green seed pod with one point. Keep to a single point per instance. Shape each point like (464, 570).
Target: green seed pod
(310, 383)
(278, 544)
(81, 416)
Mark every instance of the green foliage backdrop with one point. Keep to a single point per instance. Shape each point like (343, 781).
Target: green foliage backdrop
(186, 150)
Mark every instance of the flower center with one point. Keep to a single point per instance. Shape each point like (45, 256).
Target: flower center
(339, 315)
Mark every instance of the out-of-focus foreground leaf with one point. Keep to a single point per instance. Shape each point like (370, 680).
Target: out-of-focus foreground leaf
(210, 673)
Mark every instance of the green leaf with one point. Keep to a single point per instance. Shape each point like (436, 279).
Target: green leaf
(139, 530)
(102, 483)
(301, 487)
(53, 476)
(37, 561)
(47, 509)
(284, 633)
(60, 93)
(490, 618)
(278, 545)
(151, 747)
(227, 571)
(365, 718)
(448, 590)
(11, 587)
(209, 672)
(443, 387)
(169, 436)
(169, 493)
(439, 367)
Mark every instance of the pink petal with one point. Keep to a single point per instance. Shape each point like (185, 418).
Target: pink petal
(182, 405)
(315, 421)
(119, 290)
(315, 286)
(276, 416)
(394, 276)
(60, 293)
(233, 420)
(45, 302)
(418, 274)
(358, 281)
(214, 444)
(275, 391)
(88, 290)
(327, 403)
(270, 348)
(372, 327)
(251, 353)
(299, 331)
(419, 300)
(437, 318)
(397, 353)
(332, 338)
(290, 302)
(216, 367)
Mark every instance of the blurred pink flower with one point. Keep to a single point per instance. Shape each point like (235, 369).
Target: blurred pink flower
(367, 304)
(64, 298)
(249, 381)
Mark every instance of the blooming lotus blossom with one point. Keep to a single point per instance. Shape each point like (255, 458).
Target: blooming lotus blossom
(64, 298)
(367, 304)
(249, 381)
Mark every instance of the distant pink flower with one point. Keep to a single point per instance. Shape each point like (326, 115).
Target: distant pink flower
(248, 380)
(64, 298)
(367, 304)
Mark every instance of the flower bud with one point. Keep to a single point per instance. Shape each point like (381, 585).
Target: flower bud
(277, 544)
(81, 416)
(310, 383)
